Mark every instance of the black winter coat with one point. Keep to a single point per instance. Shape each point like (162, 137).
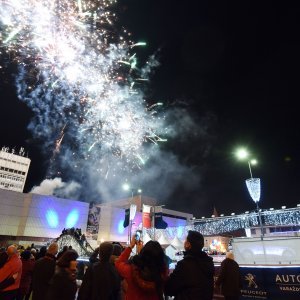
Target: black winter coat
(42, 273)
(101, 281)
(62, 286)
(192, 278)
(229, 278)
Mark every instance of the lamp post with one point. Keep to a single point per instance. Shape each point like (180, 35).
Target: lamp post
(132, 210)
(253, 184)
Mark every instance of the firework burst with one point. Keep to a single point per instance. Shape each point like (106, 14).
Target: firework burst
(75, 69)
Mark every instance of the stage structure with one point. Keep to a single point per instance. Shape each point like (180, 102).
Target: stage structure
(112, 217)
(83, 249)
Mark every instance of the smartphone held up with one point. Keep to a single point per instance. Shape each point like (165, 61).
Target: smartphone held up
(138, 235)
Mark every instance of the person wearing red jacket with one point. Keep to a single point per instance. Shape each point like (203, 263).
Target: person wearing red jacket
(145, 273)
(9, 280)
(12, 266)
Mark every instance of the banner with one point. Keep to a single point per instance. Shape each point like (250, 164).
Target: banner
(270, 283)
(159, 223)
(92, 227)
(126, 219)
(146, 216)
(267, 283)
(132, 212)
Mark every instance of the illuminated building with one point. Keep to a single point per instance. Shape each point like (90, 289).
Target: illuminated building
(13, 170)
(32, 217)
(112, 217)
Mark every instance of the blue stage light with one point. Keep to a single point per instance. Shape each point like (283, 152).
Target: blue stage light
(121, 227)
(52, 218)
(72, 218)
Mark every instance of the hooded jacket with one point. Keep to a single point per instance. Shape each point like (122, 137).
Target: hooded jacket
(138, 287)
(12, 266)
(230, 278)
(192, 278)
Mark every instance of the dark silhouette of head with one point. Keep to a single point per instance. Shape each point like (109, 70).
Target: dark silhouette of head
(66, 258)
(194, 241)
(117, 249)
(151, 256)
(43, 251)
(26, 255)
(105, 251)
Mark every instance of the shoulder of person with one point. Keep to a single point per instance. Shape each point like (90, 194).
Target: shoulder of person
(201, 256)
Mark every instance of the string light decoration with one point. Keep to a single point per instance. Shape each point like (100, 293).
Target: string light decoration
(253, 186)
(227, 224)
(282, 217)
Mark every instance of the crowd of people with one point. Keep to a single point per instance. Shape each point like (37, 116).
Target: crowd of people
(113, 273)
(78, 235)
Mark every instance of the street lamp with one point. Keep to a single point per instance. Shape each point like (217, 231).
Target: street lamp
(132, 210)
(243, 154)
(253, 184)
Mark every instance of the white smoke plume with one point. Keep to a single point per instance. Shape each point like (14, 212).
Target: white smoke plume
(57, 187)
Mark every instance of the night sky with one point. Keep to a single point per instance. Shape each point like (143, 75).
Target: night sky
(233, 66)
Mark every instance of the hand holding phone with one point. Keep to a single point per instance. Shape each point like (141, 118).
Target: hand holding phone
(138, 235)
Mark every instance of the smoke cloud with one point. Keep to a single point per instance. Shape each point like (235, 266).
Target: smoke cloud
(57, 188)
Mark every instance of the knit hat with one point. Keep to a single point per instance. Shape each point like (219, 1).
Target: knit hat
(196, 240)
(105, 251)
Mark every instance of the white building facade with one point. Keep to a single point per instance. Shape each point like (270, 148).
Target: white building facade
(13, 170)
(29, 216)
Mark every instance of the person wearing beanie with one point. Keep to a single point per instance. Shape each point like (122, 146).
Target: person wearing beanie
(27, 271)
(101, 281)
(193, 276)
(42, 273)
(63, 283)
(229, 278)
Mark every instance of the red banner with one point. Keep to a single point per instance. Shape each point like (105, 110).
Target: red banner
(146, 216)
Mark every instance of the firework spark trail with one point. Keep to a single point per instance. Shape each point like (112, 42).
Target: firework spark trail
(70, 64)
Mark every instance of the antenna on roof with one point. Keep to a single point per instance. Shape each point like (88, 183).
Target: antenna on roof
(21, 151)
